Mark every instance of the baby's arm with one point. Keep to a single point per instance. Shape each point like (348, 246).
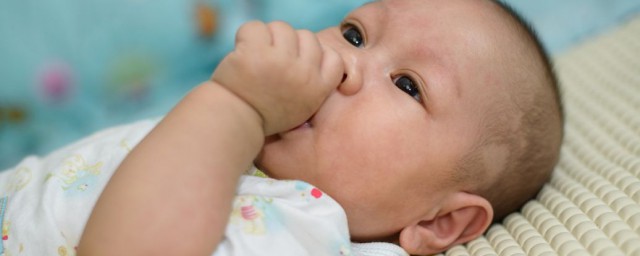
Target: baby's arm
(172, 195)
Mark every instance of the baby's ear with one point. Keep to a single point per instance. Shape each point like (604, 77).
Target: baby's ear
(462, 217)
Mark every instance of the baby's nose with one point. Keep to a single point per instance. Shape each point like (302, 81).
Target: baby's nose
(349, 85)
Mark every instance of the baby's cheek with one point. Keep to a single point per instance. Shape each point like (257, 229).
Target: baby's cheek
(279, 161)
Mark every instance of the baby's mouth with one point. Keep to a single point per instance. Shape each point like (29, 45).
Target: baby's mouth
(305, 124)
(278, 136)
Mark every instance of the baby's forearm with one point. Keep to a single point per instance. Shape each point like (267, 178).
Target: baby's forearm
(172, 195)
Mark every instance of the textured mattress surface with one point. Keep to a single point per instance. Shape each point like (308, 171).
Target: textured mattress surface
(592, 204)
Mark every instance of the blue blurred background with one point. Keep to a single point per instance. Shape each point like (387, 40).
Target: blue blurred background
(71, 67)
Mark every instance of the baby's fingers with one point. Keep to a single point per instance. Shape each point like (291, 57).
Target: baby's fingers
(253, 33)
(309, 47)
(284, 38)
(332, 67)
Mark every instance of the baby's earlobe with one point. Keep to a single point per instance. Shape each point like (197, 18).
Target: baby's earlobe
(461, 218)
(420, 239)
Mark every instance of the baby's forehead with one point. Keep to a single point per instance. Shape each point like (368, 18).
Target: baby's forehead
(463, 33)
(418, 10)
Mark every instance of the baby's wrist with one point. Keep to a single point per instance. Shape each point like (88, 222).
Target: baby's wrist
(214, 91)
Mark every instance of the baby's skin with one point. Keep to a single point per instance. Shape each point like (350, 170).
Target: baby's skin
(273, 81)
(376, 112)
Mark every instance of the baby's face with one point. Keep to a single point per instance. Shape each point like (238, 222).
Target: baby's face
(385, 143)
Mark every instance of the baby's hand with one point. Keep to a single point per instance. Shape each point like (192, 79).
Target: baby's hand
(284, 74)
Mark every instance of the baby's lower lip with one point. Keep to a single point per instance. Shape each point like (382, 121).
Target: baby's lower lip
(283, 135)
(303, 125)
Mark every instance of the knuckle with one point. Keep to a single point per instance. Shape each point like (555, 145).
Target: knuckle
(254, 23)
(279, 25)
(309, 38)
(305, 33)
(250, 26)
(244, 27)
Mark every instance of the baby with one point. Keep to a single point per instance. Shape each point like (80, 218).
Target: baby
(425, 120)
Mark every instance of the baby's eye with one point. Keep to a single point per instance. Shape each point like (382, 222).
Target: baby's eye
(352, 35)
(407, 85)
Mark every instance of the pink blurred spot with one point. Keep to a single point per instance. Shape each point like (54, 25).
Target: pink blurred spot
(316, 193)
(248, 212)
(56, 82)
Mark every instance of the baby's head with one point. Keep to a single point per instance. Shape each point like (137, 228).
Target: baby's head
(447, 117)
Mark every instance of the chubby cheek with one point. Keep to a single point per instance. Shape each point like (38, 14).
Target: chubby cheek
(377, 144)
(286, 159)
(377, 150)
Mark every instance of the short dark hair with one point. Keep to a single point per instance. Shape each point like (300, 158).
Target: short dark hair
(534, 146)
(540, 49)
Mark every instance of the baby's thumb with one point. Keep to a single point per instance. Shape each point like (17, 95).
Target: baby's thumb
(332, 68)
